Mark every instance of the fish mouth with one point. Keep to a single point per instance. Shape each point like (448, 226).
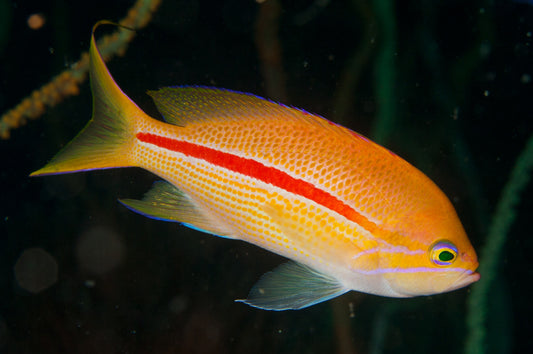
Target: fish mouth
(467, 279)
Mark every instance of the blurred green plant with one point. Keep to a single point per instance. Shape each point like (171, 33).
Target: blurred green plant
(491, 254)
(385, 71)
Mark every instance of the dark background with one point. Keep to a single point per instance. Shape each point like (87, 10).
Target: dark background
(462, 104)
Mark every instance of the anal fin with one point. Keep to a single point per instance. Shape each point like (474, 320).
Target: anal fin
(293, 286)
(166, 202)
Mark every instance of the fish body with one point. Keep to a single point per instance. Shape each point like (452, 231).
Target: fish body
(348, 213)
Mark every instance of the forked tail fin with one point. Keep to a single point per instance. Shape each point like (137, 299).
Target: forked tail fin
(107, 140)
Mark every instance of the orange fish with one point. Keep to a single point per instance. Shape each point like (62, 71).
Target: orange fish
(350, 214)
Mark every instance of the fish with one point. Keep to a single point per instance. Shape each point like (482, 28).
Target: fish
(347, 213)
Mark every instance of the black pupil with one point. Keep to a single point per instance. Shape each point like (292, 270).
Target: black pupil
(446, 256)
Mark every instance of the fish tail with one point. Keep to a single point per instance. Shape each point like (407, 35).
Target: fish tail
(107, 140)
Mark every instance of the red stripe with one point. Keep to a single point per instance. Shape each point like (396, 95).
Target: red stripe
(261, 172)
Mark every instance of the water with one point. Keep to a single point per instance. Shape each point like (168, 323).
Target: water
(80, 273)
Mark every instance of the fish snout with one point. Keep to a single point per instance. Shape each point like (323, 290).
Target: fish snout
(466, 279)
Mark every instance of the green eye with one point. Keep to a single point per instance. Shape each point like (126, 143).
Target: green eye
(446, 256)
(443, 253)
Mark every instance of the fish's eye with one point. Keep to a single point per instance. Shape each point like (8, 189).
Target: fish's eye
(443, 253)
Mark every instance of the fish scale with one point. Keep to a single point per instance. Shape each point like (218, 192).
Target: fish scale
(348, 185)
(306, 248)
(348, 213)
(234, 207)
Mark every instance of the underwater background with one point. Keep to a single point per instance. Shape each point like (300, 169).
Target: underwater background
(447, 85)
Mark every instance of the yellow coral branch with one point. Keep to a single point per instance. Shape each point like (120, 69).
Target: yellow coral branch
(66, 83)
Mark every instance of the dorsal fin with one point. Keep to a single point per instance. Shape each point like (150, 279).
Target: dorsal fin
(195, 104)
(187, 104)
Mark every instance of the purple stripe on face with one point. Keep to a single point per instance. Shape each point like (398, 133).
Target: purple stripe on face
(413, 270)
(397, 249)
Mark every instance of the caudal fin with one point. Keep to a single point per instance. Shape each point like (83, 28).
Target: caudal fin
(106, 141)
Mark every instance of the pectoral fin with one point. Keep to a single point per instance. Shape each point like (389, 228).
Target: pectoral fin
(293, 286)
(168, 203)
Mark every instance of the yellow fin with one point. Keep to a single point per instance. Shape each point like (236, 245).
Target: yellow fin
(188, 104)
(168, 203)
(106, 140)
(194, 104)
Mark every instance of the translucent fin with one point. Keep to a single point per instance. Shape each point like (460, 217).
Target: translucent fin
(292, 286)
(168, 203)
(106, 140)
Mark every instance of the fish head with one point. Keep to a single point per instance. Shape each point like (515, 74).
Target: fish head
(429, 254)
(444, 267)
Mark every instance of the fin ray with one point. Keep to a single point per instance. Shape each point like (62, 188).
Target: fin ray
(106, 139)
(186, 104)
(293, 286)
(166, 202)
(194, 104)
